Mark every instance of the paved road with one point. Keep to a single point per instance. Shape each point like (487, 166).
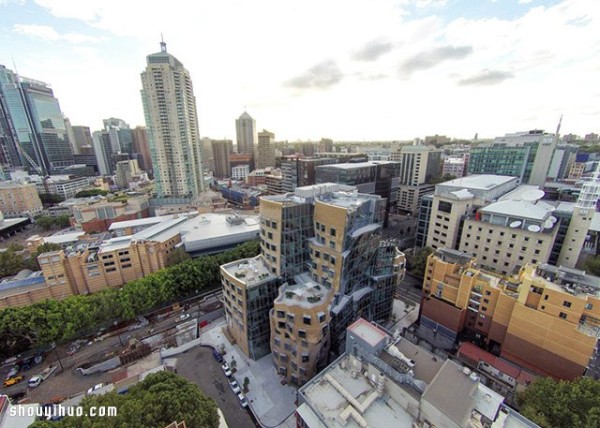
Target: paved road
(198, 366)
(409, 288)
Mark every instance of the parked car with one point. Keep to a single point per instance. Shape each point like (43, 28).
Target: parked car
(217, 356)
(95, 387)
(183, 317)
(12, 381)
(35, 381)
(243, 400)
(234, 386)
(16, 397)
(226, 369)
(13, 372)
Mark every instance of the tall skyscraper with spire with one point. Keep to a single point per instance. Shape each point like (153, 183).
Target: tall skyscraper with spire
(172, 122)
(245, 131)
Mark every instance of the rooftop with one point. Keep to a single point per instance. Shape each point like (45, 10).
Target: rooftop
(140, 222)
(478, 182)
(162, 231)
(457, 393)
(304, 292)
(250, 271)
(368, 332)
(338, 397)
(540, 211)
(357, 165)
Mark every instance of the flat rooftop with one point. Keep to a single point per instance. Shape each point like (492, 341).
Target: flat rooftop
(10, 222)
(337, 391)
(249, 271)
(162, 231)
(210, 225)
(539, 210)
(457, 393)
(478, 182)
(304, 292)
(140, 222)
(368, 332)
(357, 165)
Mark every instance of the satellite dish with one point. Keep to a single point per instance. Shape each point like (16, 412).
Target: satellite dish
(548, 224)
(532, 195)
(553, 219)
(515, 224)
(534, 228)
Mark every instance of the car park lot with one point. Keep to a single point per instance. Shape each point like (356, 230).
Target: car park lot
(200, 367)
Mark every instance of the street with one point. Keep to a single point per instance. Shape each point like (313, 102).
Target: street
(410, 288)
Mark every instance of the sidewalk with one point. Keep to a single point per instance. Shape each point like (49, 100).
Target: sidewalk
(271, 402)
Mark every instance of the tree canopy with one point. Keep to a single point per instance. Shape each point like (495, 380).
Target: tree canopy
(47, 222)
(38, 325)
(551, 403)
(417, 261)
(592, 265)
(161, 398)
(50, 198)
(91, 192)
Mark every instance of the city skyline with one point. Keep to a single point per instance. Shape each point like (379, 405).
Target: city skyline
(394, 70)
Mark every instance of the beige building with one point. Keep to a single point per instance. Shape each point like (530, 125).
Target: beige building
(265, 151)
(126, 170)
(19, 200)
(323, 264)
(545, 318)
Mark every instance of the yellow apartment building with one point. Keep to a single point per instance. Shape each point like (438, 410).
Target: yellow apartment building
(546, 319)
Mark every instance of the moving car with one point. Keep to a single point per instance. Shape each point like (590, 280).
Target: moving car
(234, 386)
(35, 381)
(12, 372)
(226, 369)
(95, 387)
(12, 381)
(243, 400)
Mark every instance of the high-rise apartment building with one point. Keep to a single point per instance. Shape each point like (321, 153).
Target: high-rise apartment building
(172, 122)
(221, 150)
(266, 150)
(545, 318)
(33, 127)
(323, 264)
(526, 155)
(245, 131)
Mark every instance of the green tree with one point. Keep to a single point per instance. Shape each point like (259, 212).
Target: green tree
(50, 199)
(161, 398)
(551, 403)
(77, 316)
(418, 261)
(63, 220)
(441, 179)
(45, 222)
(10, 262)
(91, 192)
(592, 265)
(177, 256)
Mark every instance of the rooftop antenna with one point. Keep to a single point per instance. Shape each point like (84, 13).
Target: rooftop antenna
(163, 45)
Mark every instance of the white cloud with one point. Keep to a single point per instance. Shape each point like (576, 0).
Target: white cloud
(48, 33)
(525, 1)
(242, 53)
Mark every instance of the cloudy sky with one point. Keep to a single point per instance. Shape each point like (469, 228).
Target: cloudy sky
(343, 69)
